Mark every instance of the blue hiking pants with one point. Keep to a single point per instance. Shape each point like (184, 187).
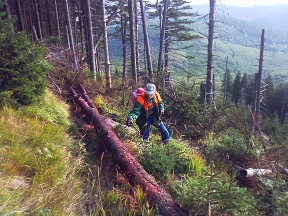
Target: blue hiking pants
(161, 128)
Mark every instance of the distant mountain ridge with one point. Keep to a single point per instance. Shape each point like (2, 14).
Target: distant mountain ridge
(274, 16)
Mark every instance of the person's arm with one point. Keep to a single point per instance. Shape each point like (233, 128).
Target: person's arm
(135, 112)
(160, 103)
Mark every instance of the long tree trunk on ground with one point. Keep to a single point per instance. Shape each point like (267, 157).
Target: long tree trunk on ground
(57, 18)
(132, 41)
(91, 53)
(162, 36)
(70, 34)
(146, 42)
(258, 82)
(209, 94)
(106, 51)
(130, 168)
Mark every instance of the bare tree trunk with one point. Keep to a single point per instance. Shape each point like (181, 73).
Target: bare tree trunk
(132, 41)
(166, 75)
(7, 10)
(34, 33)
(146, 42)
(91, 53)
(70, 34)
(48, 17)
(209, 82)
(136, 38)
(162, 36)
(57, 18)
(8, 14)
(19, 15)
(38, 19)
(225, 84)
(258, 82)
(107, 23)
(106, 51)
(124, 48)
(130, 168)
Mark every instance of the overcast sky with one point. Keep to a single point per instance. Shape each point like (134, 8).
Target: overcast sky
(241, 2)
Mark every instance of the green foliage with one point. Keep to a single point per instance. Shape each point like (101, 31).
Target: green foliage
(156, 161)
(191, 118)
(217, 193)
(39, 170)
(48, 110)
(53, 40)
(276, 131)
(185, 160)
(230, 145)
(273, 196)
(160, 160)
(22, 70)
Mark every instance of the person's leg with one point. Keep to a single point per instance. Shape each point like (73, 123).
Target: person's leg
(164, 133)
(146, 131)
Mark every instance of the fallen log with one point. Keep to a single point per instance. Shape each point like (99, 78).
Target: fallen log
(283, 170)
(254, 172)
(130, 168)
(257, 172)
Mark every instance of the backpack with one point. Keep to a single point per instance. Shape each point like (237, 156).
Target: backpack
(135, 94)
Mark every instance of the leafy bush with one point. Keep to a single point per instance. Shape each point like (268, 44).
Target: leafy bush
(214, 193)
(22, 72)
(276, 132)
(189, 117)
(231, 144)
(185, 160)
(156, 161)
(272, 197)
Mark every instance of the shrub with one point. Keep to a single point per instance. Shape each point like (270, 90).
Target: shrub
(215, 193)
(156, 161)
(231, 144)
(22, 70)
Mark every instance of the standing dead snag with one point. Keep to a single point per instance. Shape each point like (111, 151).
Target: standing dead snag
(131, 169)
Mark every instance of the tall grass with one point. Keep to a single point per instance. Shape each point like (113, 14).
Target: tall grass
(38, 173)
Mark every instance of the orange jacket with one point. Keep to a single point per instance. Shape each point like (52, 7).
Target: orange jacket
(143, 108)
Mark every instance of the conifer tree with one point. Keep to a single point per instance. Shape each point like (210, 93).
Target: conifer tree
(22, 72)
(236, 88)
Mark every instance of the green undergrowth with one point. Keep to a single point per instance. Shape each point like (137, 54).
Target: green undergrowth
(39, 162)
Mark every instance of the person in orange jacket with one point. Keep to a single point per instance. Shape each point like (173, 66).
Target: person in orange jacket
(147, 111)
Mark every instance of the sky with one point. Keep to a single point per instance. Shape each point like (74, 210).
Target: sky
(241, 2)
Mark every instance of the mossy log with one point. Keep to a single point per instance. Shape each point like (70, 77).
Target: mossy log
(130, 167)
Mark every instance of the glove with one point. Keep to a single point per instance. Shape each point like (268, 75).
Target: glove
(129, 123)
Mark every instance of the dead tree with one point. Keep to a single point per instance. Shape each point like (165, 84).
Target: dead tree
(209, 78)
(130, 168)
(258, 80)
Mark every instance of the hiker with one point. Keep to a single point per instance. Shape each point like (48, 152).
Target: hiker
(147, 111)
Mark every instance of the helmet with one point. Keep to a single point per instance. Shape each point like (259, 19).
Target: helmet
(150, 88)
